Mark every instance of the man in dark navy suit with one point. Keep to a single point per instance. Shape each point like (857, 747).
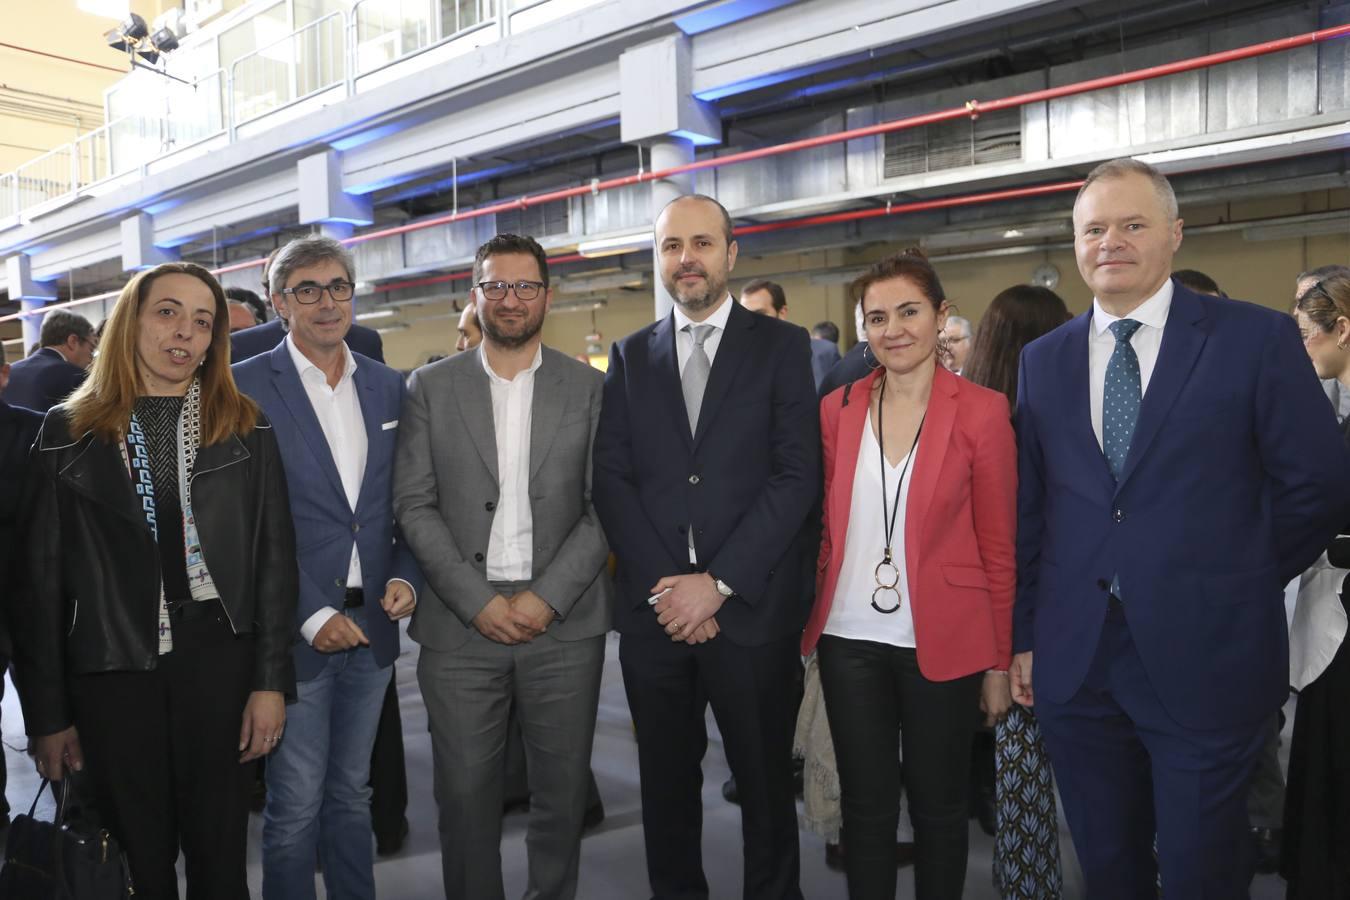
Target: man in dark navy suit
(250, 342)
(707, 461)
(1178, 466)
(18, 430)
(52, 374)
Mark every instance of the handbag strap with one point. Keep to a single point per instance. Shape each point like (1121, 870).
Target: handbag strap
(32, 810)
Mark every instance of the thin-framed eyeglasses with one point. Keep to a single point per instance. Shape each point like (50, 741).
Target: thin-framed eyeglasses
(308, 292)
(524, 290)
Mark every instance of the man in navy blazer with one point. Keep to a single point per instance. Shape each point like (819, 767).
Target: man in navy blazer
(1178, 465)
(52, 374)
(705, 521)
(335, 414)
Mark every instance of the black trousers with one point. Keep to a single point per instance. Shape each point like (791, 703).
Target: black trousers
(879, 703)
(162, 750)
(388, 772)
(670, 687)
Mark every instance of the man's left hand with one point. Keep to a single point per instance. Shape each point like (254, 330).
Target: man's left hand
(693, 600)
(530, 611)
(398, 600)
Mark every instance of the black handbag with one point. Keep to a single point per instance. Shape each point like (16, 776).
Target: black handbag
(56, 861)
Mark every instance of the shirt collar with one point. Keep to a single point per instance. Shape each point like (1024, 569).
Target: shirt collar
(717, 320)
(1152, 312)
(303, 363)
(493, 376)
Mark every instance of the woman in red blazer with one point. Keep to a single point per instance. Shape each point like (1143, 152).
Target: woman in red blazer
(913, 613)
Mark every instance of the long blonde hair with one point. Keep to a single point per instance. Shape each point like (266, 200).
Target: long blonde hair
(103, 404)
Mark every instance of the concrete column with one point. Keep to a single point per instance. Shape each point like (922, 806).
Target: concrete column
(32, 325)
(666, 153)
(31, 294)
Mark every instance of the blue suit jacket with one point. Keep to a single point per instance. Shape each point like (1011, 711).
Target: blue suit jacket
(745, 481)
(824, 356)
(1236, 479)
(250, 342)
(325, 524)
(41, 381)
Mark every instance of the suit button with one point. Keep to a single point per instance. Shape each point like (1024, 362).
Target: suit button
(693, 479)
(1103, 584)
(478, 557)
(1118, 515)
(489, 506)
(339, 582)
(356, 526)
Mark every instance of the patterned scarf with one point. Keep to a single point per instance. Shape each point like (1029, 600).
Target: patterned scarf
(136, 456)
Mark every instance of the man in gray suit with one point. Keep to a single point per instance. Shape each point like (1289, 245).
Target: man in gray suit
(492, 488)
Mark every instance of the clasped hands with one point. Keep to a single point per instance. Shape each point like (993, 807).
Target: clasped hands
(514, 620)
(686, 607)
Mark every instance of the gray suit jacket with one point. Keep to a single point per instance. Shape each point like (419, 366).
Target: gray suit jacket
(446, 491)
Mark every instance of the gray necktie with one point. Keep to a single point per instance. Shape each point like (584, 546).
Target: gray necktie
(695, 376)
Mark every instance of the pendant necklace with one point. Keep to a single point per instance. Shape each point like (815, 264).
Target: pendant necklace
(887, 573)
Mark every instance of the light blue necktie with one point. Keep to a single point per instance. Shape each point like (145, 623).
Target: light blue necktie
(1120, 397)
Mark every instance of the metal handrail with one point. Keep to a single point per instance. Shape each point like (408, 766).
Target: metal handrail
(481, 25)
(235, 121)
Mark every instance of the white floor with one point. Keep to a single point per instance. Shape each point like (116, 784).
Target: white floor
(612, 863)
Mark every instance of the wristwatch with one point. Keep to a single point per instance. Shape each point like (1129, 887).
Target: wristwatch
(722, 587)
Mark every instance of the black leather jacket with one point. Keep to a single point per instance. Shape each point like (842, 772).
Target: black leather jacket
(88, 600)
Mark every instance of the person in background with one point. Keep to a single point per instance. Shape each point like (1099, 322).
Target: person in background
(1317, 812)
(826, 331)
(18, 429)
(153, 627)
(255, 305)
(66, 346)
(1198, 282)
(1340, 399)
(913, 611)
(241, 317)
(470, 335)
(957, 339)
(1026, 827)
(769, 299)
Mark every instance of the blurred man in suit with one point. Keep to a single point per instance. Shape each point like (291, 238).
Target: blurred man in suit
(1178, 465)
(336, 416)
(66, 350)
(768, 299)
(707, 462)
(958, 334)
(470, 335)
(1340, 399)
(519, 596)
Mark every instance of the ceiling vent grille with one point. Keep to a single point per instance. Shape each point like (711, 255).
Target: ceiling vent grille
(993, 137)
(546, 219)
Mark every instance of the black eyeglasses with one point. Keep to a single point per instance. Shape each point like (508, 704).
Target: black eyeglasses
(340, 291)
(496, 290)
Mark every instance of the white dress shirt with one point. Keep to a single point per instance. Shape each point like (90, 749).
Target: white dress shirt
(1152, 316)
(338, 410)
(684, 348)
(510, 552)
(851, 613)
(684, 341)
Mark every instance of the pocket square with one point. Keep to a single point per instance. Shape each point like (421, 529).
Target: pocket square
(388, 425)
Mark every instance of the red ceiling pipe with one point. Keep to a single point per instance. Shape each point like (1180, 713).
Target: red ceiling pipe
(971, 109)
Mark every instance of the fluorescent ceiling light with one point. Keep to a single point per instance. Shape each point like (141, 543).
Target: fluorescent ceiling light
(621, 243)
(375, 314)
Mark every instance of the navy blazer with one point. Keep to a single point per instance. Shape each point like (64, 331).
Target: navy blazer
(326, 526)
(250, 342)
(1236, 479)
(824, 357)
(18, 429)
(745, 480)
(42, 380)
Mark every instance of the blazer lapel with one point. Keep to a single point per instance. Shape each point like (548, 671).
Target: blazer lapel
(666, 365)
(730, 353)
(931, 450)
(1077, 401)
(545, 411)
(475, 407)
(1184, 336)
(368, 397)
(287, 382)
(100, 474)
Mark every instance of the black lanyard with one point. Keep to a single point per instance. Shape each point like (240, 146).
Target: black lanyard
(889, 517)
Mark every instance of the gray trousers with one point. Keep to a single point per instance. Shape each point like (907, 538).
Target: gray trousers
(555, 687)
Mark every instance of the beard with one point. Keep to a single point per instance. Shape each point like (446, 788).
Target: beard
(697, 298)
(515, 333)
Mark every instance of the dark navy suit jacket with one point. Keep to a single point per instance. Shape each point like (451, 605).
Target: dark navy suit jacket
(325, 524)
(18, 429)
(1236, 479)
(250, 342)
(41, 381)
(746, 480)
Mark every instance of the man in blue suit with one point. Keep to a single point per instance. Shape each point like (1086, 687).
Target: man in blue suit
(335, 414)
(52, 374)
(707, 461)
(1178, 465)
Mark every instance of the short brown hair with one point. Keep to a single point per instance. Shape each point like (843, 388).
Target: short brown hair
(104, 402)
(774, 289)
(60, 324)
(503, 244)
(910, 264)
(1120, 168)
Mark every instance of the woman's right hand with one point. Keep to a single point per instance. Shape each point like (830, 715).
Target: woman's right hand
(55, 753)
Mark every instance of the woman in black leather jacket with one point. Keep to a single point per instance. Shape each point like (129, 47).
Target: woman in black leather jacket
(152, 635)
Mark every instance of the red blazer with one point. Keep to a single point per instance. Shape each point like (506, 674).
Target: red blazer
(960, 523)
